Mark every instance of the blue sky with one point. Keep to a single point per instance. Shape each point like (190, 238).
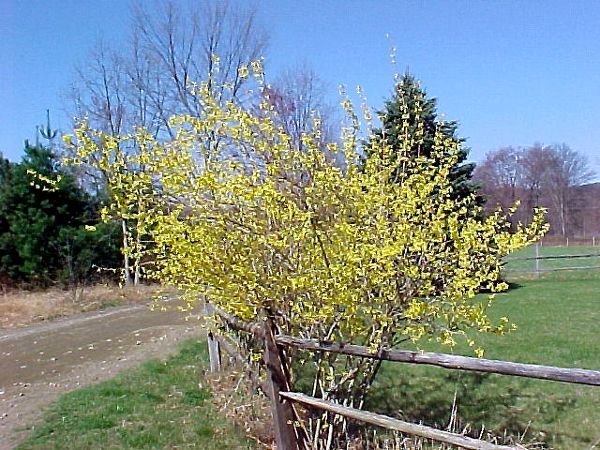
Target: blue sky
(511, 72)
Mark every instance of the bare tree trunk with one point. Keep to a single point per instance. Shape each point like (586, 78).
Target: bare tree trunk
(563, 218)
(137, 262)
(126, 266)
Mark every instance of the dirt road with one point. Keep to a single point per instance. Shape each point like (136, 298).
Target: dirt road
(40, 362)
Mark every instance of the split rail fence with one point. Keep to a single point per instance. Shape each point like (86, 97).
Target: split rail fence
(277, 385)
(592, 259)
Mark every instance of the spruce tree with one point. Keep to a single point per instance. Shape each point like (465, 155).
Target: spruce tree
(410, 99)
(42, 236)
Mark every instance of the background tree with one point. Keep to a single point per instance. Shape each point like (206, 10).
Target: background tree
(410, 124)
(299, 99)
(99, 90)
(42, 210)
(567, 170)
(109, 93)
(148, 80)
(172, 45)
(7, 253)
(500, 176)
(537, 176)
(47, 132)
(535, 164)
(183, 40)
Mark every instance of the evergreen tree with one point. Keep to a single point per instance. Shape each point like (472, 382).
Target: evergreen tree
(42, 211)
(408, 101)
(7, 251)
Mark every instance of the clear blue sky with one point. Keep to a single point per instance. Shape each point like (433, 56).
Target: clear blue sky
(511, 72)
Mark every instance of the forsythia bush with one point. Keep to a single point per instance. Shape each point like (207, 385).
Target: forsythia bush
(264, 230)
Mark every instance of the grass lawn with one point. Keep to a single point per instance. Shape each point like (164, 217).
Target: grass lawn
(558, 319)
(162, 404)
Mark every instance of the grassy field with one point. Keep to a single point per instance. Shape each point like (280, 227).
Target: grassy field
(158, 406)
(558, 319)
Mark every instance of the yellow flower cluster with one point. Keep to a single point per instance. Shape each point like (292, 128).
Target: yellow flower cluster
(42, 182)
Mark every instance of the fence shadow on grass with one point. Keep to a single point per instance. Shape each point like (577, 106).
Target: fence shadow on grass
(462, 400)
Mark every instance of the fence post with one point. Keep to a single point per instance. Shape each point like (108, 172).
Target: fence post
(214, 352)
(537, 260)
(214, 349)
(283, 414)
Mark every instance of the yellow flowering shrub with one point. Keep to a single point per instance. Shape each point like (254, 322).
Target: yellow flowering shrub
(234, 212)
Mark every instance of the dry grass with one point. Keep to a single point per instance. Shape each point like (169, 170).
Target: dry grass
(19, 308)
(233, 397)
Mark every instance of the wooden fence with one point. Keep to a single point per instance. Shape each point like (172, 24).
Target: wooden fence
(537, 269)
(560, 241)
(277, 386)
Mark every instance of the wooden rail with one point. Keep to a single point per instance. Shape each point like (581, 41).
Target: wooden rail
(537, 258)
(577, 376)
(394, 424)
(254, 328)
(532, 258)
(556, 269)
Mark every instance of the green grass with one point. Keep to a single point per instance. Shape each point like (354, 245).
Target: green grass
(157, 406)
(558, 320)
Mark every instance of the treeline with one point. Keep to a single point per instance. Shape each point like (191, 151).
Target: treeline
(554, 177)
(50, 232)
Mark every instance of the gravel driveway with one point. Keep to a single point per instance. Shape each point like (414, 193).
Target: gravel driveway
(40, 362)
